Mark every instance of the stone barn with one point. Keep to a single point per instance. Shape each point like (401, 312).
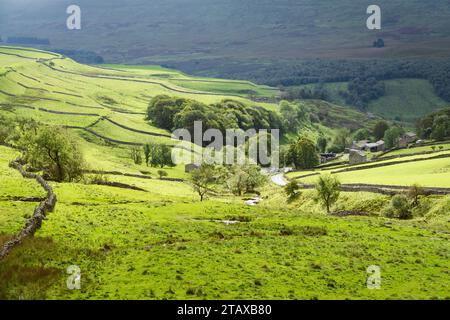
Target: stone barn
(375, 146)
(357, 157)
(406, 139)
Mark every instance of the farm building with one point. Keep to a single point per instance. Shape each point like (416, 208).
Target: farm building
(365, 145)
(325, 157)
(357, 156)
(406, 139)
(375, 147)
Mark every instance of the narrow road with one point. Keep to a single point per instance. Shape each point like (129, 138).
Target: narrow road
(279, 179)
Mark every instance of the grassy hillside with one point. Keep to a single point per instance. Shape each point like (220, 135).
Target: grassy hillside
(100, 104)
(177, 30)
(407, 100)
(56, 90)
(161, 242)
(404, 100)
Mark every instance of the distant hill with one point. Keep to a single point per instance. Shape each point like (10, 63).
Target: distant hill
(184, 30)
(281, 42)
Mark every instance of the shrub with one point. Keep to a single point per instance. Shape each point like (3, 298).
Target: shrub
(399, 208)
(286, 231)
(136, 155)
(158, 155)
(328, 190)
(392, 136)
(203, 180)
(55, 151)
(303, 154)
(292, 190)
(414, 193)
(244, 179)
(162, 174)
(313, 231)
(98, 178)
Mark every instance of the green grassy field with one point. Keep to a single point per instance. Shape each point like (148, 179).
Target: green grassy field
(163, 243)
(408, 100)
(427, 173)
(430, 173)
(402, 152)
(405, 99)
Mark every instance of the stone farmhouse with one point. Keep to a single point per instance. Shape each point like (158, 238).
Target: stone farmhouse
(406, 139)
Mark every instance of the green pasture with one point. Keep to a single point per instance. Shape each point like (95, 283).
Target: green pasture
(444, 146)
(407, 99)
(428, 173)
(163, 243)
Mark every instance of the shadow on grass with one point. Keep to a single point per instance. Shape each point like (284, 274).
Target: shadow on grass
(20, 280)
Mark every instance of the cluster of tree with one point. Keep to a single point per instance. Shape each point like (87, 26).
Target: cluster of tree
(362, 134)
(392, 136)
(237, 179)
(158, 155)
(6, 128)
(363, 90)
(295, 93)
(342, 139)
(136, 155)
(435, 126)
(303, 154)
(81, 56)
(327, 190)
(175, 113)
(50, 149)
(28, 40)
(322, 143)
(402, 205)
(289, 73)
(380, 129)
(155, 155)
(360, 91)
(293, 116)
